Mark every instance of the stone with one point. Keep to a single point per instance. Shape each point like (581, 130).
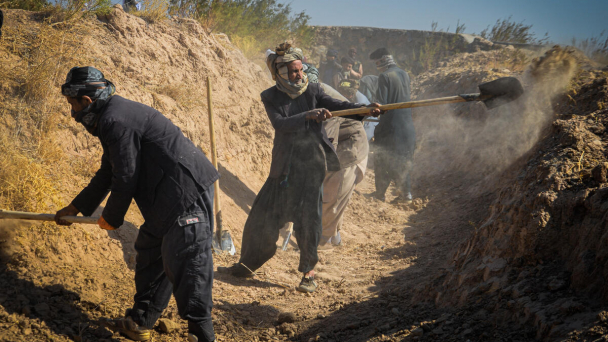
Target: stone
(286, 317)
(167, 326)
(556, 284)
(42, 309)
(602, 316)
(395, 311)
(418, 331)
(600, 172)
(467, 332)
(437, 331)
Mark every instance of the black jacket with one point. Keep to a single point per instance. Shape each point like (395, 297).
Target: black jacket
(146, 158)
(286, 124)
(395, 132)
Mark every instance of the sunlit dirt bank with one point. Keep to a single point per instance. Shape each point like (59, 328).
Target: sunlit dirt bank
(503, 242)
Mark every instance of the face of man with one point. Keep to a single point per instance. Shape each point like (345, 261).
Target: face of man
(295, 72)
(347, 67)
(78, 105)
(352, 54)
(331, 58)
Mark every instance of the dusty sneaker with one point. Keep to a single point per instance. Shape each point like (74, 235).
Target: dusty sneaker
(235, 270)
(307, 285)
(127, 327)
(326, 247)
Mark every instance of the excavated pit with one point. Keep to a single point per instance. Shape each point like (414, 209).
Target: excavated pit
(505, 240)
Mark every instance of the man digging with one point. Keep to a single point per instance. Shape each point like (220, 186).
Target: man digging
(300, 156)
(147, 158)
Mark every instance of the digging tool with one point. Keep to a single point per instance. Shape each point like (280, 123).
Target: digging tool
(222, 241)
(21, 215)
(492, 94)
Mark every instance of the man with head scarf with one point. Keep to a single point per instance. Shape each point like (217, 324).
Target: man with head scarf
(395, 136)
(300, 155)
(147, 158)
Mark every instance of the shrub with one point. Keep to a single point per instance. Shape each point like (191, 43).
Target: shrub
(596, 48)
(252, 25)
(153, 10)
(506, 30)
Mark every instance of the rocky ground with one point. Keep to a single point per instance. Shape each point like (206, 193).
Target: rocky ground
(504, 241)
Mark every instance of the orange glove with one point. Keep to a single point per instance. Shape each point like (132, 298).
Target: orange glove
(104, 225)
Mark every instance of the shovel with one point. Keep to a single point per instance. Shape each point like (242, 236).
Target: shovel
(222, 241)
(20, 215)
(492, 94)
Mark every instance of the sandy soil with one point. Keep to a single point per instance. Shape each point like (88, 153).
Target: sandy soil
(400, 274)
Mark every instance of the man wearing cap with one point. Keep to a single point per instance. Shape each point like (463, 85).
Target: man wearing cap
(147, 158)
(330, 68)
(395, 136)
(357, 69)
(350, 141)
(300, 155)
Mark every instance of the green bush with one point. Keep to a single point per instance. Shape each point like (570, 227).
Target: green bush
(252, 25)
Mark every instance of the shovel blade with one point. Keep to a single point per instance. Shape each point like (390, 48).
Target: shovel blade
(500, 91)
(226, 244)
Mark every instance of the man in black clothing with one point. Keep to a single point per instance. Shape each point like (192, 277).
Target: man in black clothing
(395, 136)
(300, 155)
(147, 158)
(330, 68)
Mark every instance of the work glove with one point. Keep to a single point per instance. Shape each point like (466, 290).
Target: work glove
(103, 224)
(70, 210)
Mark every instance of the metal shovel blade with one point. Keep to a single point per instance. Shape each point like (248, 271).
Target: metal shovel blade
(500, 91)
(226, 243)
(222, 241)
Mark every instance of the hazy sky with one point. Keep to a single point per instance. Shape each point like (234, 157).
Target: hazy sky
(560, 18)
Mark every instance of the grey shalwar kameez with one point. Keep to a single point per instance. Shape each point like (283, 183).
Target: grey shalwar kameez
(293, 191)
(395, 135)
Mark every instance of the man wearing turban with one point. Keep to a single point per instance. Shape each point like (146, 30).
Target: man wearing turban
(147, 158)
(300, 156)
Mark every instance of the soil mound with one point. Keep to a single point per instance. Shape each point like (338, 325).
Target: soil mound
(537, 259)
(56, 282)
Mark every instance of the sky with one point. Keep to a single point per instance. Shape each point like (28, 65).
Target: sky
(561, 19)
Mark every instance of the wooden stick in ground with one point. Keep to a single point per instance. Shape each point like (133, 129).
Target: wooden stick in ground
(216, 185)
(20, 215)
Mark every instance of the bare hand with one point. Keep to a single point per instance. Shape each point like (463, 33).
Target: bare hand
(319, 115)
(375, 109)
(103, 224)
(70, 210)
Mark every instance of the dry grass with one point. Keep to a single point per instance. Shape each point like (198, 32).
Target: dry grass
(153, 10)
(32, 165)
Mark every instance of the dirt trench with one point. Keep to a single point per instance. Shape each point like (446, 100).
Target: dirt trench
(473, 258)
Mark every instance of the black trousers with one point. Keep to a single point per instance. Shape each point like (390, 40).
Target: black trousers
(178, 263)
(390, 167)
(298, 200)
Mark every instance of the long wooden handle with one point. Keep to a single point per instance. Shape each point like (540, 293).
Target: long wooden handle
(20, 215)
(216, 185)
(411, 104)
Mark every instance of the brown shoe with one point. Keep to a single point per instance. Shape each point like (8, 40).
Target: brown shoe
(127, 327)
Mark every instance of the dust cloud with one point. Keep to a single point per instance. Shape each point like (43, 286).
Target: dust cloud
(8, 228)
(469, 141)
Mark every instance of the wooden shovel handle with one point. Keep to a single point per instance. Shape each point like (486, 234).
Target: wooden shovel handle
(20, 215)
(410, 104)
